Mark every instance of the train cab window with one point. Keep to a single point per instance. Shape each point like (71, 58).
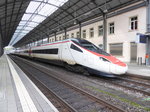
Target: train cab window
(75, 48)
(92, 47)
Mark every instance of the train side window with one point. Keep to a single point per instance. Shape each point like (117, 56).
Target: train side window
(75, 48)
(46, 51)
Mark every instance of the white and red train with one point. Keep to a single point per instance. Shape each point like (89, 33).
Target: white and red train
(77, 54)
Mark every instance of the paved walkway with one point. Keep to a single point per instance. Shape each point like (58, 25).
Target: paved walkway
(139, 70)
(7, 92)
(18, 93)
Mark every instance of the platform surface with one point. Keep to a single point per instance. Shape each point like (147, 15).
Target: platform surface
(7, 93)
(141, 70)
(18, 93)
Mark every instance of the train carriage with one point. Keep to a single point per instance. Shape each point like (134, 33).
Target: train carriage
(76, 52)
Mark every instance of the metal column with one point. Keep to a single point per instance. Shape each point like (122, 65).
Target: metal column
(55, 37)
(148, 50)
(105, 32)
(80, 28)
(48, 39)
(1, 46)
(34, 42)
(42, 41)
(1, 40)
(148, 32)
(65, 33)
(148, 16)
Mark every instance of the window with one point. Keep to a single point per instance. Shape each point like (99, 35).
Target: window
(45, 41)
(100, 30)
(46, 51)
(72, 35)
(94, 48)
(78, 35)
(100, 46)
(89, 46)
(111, 28)
(26, 51)
(116, 49)
(64, 37)
(67, 36)
(91, 32)
(52, 39)
(57, 38)
(75, 48)
(60, 38)
(84, 34)
(134, 23)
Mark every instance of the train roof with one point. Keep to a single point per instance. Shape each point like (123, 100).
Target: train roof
(79, 40)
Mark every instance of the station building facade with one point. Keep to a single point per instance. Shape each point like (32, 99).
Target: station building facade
(122, 31)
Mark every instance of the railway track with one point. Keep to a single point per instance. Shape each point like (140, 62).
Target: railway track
(75, 98)
(127, 84)
(136, 78)
(137, 81)
(133, 85)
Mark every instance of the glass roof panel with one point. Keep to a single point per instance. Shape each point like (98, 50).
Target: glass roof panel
(38, 19)
(28, 28)
(37, 11)
(46, 10)
(31, 8)
(22, 23)
(32, 24)
(26, 16)
(20, 34)
(20, 27)
(25, 31)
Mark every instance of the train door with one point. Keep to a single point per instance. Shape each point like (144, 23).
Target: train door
(66, 54)
(90, 59)
(77, 54)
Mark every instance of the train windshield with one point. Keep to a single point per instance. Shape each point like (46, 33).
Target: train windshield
(88, 45)
(94, 48)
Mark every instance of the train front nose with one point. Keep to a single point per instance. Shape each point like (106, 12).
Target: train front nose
(121, 70)
(117, 69)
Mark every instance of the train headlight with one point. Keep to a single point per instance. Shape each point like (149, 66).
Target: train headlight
(103, 59)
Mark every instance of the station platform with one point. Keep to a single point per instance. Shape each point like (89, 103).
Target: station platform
(141, 70)
(18, 93)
